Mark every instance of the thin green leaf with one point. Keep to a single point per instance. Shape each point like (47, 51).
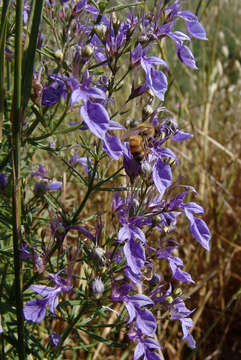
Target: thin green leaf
(121, 7)
(29, 54)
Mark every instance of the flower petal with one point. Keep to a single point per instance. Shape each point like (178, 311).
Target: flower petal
(35, 310)
(162, 176)
(96, 117)
(145, 321)
(196, 30)
(135, 255)
(186, 56)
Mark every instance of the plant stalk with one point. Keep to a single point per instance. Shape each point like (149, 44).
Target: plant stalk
(16, 120)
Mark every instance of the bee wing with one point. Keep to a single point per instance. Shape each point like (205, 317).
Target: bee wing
(129, 133)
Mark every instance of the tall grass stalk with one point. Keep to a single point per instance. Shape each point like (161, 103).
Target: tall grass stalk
(208, 92)
(16, 120)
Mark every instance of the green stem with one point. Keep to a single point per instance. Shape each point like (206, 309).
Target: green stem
(89, 191)
(16, 119)
(3, 26)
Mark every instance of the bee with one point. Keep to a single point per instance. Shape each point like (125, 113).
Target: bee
(139, 139)
(142, 136)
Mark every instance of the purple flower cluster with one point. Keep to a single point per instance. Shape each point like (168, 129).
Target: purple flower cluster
(157, 211)
(156, 201)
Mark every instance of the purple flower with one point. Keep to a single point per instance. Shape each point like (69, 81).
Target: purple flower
(52, 93)
(144, 346)
(198, 227)
(156, 80)
(132, 167)
(40, 187)
(55, 339)
(144, 320)
(86, 162)
(3, 181)
(175, 264)
(82, 91)
(162, 176)
(24, 252)
(193, 25)
(181, 313)
(186, 56)
(96, 117)
(35, 310)
(112, 146)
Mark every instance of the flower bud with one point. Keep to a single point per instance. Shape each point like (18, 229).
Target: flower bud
(101, 31)
(59, 231)
(156, 220)
(143, 38)
(147, 111)
(54, 339)
(115, 22)
(52, 144)
(169, 299)
(177, 292)
(59, 55)
(87, 51)
(99, 255)
(97, 287)
(146, 168)
(114, 18)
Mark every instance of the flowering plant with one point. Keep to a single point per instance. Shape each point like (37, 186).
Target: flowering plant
(79, 57)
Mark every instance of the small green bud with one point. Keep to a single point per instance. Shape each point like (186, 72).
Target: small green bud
(143, 38)
(59, 231)
(177, 292)
(87, 51)
(101, 31)
(59, 55)
(169, 299)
